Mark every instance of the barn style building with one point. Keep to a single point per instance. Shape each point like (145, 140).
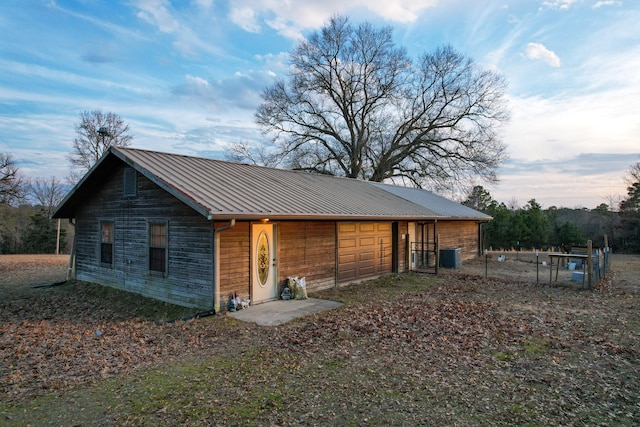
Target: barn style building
(193, 231)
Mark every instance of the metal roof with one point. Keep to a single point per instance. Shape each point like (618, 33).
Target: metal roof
(441, 205)
(224, 190)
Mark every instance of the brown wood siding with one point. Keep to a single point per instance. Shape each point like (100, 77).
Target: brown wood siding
(364, 250)
(189, 277)
(459, 234)
(307, 249)
(235, 258)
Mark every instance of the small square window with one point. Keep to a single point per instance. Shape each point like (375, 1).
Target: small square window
(158, 246)
(106, 242)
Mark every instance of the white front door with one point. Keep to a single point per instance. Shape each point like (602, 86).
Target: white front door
(263, 263)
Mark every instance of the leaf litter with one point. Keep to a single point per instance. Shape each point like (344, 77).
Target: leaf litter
(456, 349)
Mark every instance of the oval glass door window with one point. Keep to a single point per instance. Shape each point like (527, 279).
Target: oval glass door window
(262, 250)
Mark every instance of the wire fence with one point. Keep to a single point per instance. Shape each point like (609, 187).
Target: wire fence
(574, 270)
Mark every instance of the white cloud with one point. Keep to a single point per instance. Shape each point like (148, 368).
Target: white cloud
(204, 4)
(398, 11)
(290, 18)
(558, 4)
(156, 12)
(537, 51)
(607, 3)
(197, 81)
(562, 126)
(245, 18)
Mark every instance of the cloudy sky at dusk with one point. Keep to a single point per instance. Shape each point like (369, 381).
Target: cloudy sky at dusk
(186, 76)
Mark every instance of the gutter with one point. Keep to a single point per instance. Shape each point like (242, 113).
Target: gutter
(216, 264)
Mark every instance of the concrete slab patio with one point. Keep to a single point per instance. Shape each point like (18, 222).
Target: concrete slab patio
(278, 312)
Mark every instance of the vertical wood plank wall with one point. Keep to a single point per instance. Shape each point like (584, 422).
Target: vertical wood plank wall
(459, 234)
(307, 249)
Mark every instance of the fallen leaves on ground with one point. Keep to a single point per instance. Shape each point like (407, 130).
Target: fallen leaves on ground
(457, 344)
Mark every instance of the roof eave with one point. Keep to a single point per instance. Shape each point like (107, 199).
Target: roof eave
(272, 216)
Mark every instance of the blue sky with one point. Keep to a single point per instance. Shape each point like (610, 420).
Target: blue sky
(186, 76)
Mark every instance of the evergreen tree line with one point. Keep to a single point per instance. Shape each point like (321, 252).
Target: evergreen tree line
(531, 227)
(27, 229)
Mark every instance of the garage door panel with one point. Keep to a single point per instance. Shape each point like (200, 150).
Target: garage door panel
(348, 258)
(365, 271)
(384, 226)
(345, 275)
(347, 227)
(367, 241)
(367, 227)
(364, 250)
(347, 243)
(366, 256)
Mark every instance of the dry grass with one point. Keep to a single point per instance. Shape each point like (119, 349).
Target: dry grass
(403, 350)
(17, 271)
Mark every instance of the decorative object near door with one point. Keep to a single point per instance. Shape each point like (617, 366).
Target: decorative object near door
(263, 258)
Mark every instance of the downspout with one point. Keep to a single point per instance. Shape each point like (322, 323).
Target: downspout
(72, 255)
(216, 264)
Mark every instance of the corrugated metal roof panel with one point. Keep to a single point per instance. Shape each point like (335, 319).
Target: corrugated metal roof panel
(440, 205)
(220, 189)
(232, 189)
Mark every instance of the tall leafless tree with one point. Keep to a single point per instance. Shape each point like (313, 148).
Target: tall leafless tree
(633, 174)
(11, 183)
(96, 131)
(47, 193)
(355, 105)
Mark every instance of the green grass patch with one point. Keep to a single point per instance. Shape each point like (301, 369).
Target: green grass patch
(536, 346)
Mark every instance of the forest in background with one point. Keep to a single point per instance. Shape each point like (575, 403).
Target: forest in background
(531, 227)
(27, 228)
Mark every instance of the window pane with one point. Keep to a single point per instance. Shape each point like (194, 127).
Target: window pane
(107, 231)
(158, 236)
(157, 259)
(106, 253)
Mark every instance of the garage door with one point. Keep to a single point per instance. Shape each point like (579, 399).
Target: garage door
(364, 250)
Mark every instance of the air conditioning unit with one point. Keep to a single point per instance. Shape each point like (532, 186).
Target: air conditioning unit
(451, 257)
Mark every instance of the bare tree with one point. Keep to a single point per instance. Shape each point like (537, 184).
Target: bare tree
(47, 193)
(356, 105)
(243, 152)
(97, 131)
(633, 174)
(11, 183)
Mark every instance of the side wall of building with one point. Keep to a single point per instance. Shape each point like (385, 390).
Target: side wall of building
(235, 262)
(307, 249)
(459, 234)
(189, 269)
